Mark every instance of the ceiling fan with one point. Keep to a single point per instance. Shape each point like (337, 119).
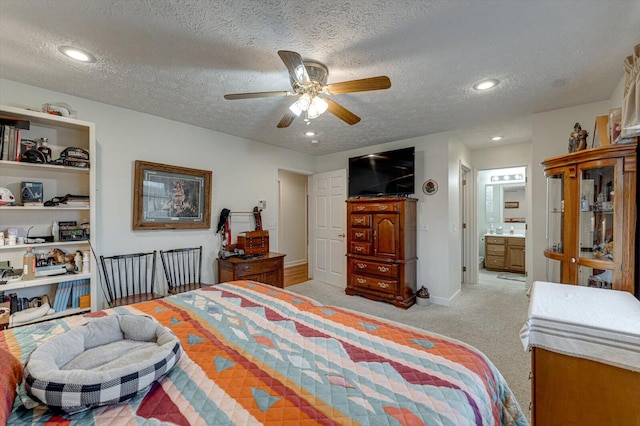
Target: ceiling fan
(308, 82)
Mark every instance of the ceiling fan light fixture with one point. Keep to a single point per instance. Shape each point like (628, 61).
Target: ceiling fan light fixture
(318, 106)
(301, 104)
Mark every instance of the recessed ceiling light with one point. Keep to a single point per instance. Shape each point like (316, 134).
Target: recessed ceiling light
(496, 138)
(77, 54)
(309, 133)
(485, 84)
(315, 141)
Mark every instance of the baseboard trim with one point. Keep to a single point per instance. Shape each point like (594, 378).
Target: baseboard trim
(294, 263)
(443, 301)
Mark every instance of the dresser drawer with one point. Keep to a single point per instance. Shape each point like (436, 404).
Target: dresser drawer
(361, 234)
(360, 248)
(375, 207)
(494, 261)
(245, 269)
(360, 220)
(494, 240)
(495, 250)
(372, 283)
(516, 242)
(385, 270)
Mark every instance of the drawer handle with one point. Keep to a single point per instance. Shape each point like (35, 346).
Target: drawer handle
(383, 269)
(359, 208)
(361, 265)
(359, 220)
(358, 248)
(383, 285)
(359, 234)
(383, 207)
(361, 280)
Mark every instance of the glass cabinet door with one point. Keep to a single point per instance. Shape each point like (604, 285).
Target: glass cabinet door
(596, 227)
(555, 226)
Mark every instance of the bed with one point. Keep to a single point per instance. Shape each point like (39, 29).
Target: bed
(256, 354)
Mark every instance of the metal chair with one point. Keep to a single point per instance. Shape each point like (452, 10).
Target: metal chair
(182, 269)
(129, 278)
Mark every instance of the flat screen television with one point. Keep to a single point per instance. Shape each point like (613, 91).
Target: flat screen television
(383, 173)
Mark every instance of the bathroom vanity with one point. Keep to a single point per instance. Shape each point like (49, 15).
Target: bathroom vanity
(504, 252)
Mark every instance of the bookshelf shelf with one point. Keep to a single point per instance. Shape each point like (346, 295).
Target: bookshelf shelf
(18, 285)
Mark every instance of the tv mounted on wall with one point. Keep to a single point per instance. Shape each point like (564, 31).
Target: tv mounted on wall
(383, 173)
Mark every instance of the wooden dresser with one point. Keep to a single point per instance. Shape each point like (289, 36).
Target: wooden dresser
(268, 269)
(381, 249)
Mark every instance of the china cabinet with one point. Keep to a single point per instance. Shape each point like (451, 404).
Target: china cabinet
(381, 249)
(35, 225)
(591, 217)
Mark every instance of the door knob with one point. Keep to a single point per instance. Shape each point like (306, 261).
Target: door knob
(341, 235)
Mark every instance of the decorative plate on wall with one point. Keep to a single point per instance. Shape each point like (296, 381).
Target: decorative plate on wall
(430, 187)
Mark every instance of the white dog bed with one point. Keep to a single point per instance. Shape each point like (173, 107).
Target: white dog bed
(106, 361)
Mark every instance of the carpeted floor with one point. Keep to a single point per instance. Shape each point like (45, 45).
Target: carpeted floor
(487, 316)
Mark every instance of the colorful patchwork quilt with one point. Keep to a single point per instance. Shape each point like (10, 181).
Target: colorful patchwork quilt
(256, 354)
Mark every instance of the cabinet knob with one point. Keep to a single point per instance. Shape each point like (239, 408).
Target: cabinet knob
(573, 260)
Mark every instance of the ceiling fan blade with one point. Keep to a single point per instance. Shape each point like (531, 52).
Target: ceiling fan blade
(362, 85)
(341, 112)
(234, 96)
(287, 119)
(293, 62)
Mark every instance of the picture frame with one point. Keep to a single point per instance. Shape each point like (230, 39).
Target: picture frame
(170, 197)
(512, 204)
(601, 132)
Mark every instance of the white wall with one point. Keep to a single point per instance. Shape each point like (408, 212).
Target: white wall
(244, 171)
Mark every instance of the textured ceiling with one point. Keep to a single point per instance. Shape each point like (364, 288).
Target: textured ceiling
(176, 59)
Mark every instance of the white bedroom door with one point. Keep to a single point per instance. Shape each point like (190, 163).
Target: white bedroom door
(328, 213)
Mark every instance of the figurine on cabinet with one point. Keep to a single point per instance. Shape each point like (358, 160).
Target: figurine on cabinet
(578, 139)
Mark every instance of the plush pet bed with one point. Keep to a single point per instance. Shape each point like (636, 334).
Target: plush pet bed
(106, 361)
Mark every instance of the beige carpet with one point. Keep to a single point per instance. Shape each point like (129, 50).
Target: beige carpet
(487, 316)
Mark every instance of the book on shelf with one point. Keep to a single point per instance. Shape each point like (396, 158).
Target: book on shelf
(68, 294)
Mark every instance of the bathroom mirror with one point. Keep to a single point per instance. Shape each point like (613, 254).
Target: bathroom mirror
(513, 203)
(505, 203)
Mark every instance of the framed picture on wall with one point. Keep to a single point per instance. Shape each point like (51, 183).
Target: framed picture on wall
(170, 197)
(511, 204)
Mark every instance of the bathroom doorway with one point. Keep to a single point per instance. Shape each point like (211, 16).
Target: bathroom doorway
(502, 225)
